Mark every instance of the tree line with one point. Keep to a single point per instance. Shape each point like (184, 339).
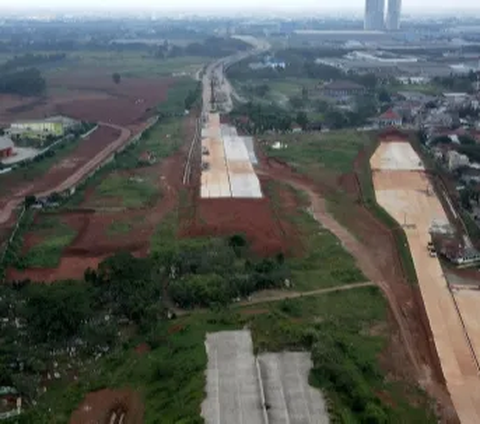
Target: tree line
(24, 82)
(210, 47)
(86, 316)
(29, 60)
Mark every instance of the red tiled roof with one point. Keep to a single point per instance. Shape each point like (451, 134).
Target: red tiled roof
(390, 115)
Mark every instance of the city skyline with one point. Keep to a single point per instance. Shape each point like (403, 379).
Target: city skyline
(394, 11)
(374, 15)
(431, 6)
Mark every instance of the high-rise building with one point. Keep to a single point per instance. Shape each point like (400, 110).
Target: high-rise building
(374, 15)
(392, 22)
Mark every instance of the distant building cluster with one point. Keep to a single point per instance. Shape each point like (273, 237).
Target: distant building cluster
(375, 19)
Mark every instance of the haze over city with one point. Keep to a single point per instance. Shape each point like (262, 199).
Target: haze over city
(190, 5)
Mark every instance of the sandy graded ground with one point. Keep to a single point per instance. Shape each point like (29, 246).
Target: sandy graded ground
(405, 196)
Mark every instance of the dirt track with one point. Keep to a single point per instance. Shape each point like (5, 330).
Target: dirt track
(407, 197)
(60, 177)
(411, 354)
(275, 296)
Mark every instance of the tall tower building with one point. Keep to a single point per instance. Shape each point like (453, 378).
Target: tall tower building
(392, 22)
(374, 15)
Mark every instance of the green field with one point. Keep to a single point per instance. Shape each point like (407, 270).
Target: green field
(334, 151)
(431, 89)
(132, 192)
(341, 330)
(55, 235)
(321, 262)
(128, 64)
(292, 86)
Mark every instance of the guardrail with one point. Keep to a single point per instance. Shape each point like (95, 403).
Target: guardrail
(188, 164)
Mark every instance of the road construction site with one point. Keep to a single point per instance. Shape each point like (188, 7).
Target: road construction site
(227, 158)
(403, 189)
(227, 169)
(271, 388)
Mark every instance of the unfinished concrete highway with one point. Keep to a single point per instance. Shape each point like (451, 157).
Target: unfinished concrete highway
(402, 188)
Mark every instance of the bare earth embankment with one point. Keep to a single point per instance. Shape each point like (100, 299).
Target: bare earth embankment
(403, 189)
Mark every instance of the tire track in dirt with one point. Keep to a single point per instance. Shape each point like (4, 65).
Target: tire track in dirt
(366, 261)
(275, 296)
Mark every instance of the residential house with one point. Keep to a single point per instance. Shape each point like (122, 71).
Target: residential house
(342, 90)
(6, 147)
(456, 160)
(470, 175)
(390, 118)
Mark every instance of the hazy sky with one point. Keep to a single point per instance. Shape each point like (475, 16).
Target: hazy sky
(433, 5)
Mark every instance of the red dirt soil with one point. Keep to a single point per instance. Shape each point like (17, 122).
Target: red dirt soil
(93, 243)
(99, 408)
(411, 353)
(95, 99)
(254, 218)
(85, 152)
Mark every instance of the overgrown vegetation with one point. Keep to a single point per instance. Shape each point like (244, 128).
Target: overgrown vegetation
(369, 199)
(335, 150)
(30, 59)
(133, 192)
(318, 260)
(55, 235)
(24, 82)
(341, 329)
(338, 332)
(181, 97)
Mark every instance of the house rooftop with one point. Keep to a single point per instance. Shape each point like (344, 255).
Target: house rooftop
(5, 143)
(343, 85)
(390, 115)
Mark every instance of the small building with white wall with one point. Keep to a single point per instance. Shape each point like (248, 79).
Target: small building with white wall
(456, 160)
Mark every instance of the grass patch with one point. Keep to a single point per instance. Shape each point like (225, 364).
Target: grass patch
(324, 262)
(175, 104)
(119, 228)
(56, 236)
(337, 329)
(430, 89)
(127, 63)
(134, 192)
(171, 377)
(334, 151)
(292, 86)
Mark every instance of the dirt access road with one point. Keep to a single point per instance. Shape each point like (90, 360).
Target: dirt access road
(47, 184)
(275, 296)
(411, 355)
(403, 189)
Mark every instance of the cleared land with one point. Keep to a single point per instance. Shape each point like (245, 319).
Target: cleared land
(271, 389)
(120, 208)
(403, 194)
(88, 154)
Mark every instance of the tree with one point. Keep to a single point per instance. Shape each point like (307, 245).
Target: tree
(302, 120)
(116, 77)
(25, 82)
(30, 200)
(56, 312)
(384, 96)
(335, 119)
